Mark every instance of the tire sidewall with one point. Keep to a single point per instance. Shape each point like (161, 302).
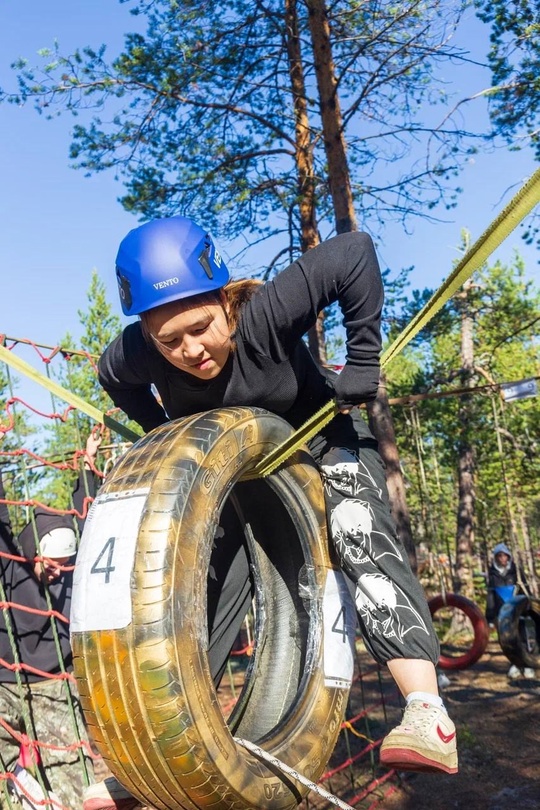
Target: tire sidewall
(479, 624)
(191, 490)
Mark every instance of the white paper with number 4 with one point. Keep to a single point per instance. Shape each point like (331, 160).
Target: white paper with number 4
(102, 579)
(339, 616)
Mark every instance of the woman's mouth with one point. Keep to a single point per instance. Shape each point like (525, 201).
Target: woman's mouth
(203, 364)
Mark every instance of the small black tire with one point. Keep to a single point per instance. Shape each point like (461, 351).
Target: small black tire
(143, 675)
(479, 625)
(511, 639)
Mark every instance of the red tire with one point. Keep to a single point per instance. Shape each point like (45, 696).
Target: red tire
(479, 625)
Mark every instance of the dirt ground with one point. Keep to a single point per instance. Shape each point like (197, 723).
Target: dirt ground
(498, 723)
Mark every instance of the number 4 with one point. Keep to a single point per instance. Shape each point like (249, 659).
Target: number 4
(341, 630)
(108, 549)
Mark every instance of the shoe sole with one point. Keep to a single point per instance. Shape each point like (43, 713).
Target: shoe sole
(405, 759)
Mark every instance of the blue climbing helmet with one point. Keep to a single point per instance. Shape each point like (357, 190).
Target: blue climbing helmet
(165, 260)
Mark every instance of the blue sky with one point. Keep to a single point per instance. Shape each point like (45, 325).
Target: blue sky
(57, 225)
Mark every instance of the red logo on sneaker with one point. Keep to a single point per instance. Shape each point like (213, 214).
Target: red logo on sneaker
(446, 738)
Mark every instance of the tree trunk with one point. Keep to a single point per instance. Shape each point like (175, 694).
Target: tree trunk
(332, 124)
(466, 461)
(342, 200)
(532, 578)
(465, 521)
(303, 147)
(382, 427)
(309, 235)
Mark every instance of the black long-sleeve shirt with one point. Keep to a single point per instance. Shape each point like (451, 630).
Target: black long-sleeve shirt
(32, 632)
(270, 366)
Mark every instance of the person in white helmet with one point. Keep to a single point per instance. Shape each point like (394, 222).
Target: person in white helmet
(42, 722)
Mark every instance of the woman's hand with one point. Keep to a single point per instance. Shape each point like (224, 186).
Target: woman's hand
(354, 385)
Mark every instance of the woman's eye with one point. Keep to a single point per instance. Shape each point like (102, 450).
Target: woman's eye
(168, 344)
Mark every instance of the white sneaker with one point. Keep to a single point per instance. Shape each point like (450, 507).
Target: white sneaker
(529, 673)
(513, 673)
(424, 741)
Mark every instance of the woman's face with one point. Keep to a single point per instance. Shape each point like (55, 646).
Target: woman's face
(196, 340)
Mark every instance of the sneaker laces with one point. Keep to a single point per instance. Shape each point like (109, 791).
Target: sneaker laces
(419, 715)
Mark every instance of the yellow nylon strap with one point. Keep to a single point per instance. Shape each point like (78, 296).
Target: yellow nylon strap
(68, 396)
(516, 210)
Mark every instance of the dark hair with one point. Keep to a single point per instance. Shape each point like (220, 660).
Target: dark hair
(236, 293)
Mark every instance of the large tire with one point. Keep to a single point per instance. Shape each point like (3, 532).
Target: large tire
(141, 663)
(511, 637)
(479, 625)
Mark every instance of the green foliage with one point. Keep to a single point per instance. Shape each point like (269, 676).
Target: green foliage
(13, 420)
(197, 116)
(504, 307)
(514, 59)
(78, 373)
(16, 432)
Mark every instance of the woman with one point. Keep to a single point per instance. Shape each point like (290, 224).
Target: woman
(204, 342)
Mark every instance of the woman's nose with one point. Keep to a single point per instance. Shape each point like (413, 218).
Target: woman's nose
(192, 348)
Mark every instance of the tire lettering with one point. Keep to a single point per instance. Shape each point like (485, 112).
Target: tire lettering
(248, 436)
(272, 790)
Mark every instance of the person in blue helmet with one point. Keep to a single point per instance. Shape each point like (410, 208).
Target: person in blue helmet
(503, 576)
(203, 341)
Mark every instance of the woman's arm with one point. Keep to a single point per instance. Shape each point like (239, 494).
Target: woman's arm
(343, 269)
(125, 375)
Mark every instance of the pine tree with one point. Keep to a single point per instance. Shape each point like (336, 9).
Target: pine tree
(504, 308)
(64, 441)
(16, 430)
(204, 112)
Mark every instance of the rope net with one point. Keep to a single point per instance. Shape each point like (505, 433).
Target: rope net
(44, 464)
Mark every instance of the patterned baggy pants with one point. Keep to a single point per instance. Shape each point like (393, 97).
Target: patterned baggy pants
(392, 609)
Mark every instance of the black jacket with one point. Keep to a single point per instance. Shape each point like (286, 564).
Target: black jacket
(32, 633)
(496, 579)
(271, 366)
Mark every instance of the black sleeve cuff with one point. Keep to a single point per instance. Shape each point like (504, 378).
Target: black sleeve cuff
(356, 384)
